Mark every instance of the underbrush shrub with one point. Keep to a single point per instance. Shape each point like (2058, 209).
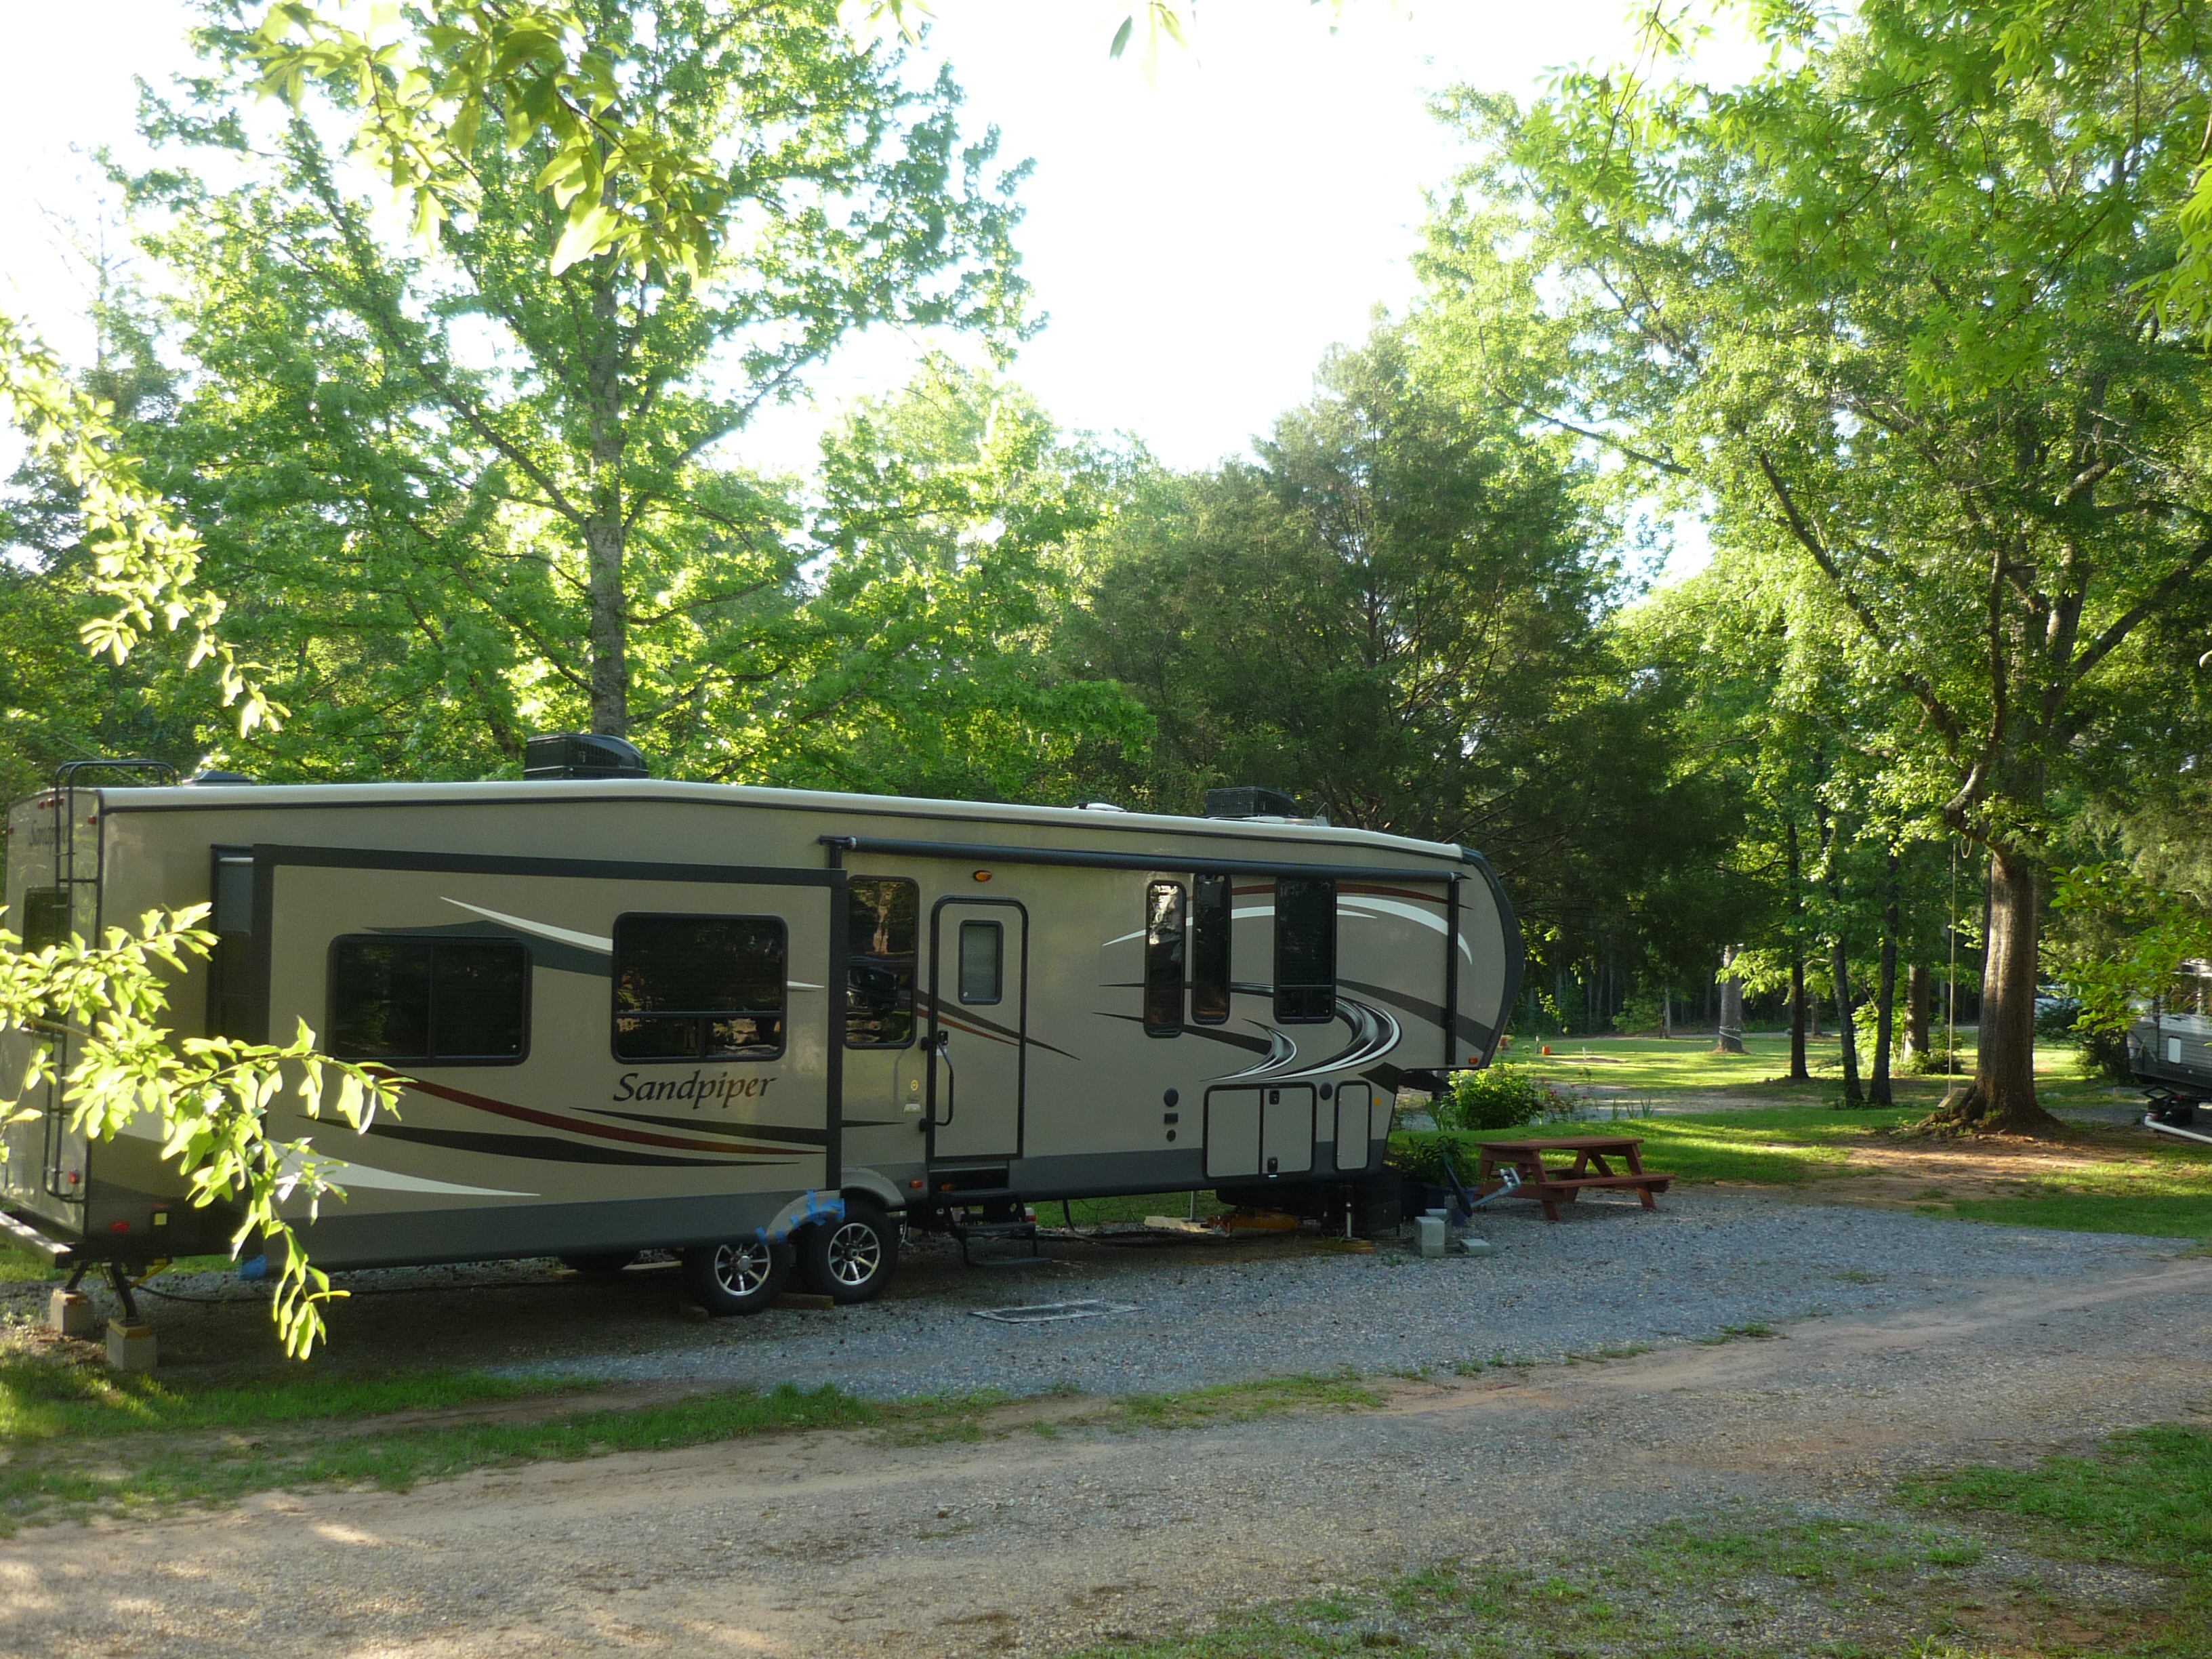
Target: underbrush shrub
(1420, 1155)
(1645, 1011)
(1499, 1097)
(2102, 1055)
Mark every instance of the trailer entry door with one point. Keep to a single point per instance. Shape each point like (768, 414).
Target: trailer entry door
(978, 1028)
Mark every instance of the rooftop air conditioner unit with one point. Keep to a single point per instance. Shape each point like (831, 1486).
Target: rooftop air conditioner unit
(579, 755)
(1248, 801)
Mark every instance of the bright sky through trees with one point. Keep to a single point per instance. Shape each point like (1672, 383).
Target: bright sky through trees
(1198, 243)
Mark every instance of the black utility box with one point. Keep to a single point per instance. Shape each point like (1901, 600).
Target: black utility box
(1248, 801)
(580, 755)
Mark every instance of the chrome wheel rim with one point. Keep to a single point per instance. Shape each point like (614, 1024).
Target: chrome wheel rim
(855, 1254)
(742, 1269)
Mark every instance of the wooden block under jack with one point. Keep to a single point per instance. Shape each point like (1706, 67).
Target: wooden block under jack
(805, 1300)
(129, 1347)
(71, 1314)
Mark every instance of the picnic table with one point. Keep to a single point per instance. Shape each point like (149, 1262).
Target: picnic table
(1556, 1184)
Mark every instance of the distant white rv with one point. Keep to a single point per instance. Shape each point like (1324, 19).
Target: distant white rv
(2170, 1045)
(765, 1028)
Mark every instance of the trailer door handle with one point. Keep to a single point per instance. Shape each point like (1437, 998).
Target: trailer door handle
(944, 1046)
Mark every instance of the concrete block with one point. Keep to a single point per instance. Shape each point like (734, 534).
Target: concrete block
(70, 1313)
(1473, 1246)
(1432, 1235)
(129, 1347)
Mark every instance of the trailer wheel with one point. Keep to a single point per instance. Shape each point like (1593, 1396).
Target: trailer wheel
(851, 1260)
(741, 1276)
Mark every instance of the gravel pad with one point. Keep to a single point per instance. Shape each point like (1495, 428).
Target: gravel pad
(1610, 1275)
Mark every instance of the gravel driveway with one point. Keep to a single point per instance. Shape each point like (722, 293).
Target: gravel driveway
(1610, 1275)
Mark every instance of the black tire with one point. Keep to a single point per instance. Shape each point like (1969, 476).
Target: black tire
(850, 1261)
(605, 1265)
(738, 1276)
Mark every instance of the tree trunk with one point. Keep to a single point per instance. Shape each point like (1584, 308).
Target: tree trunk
(1839, 966)
(1917, 999)
(1729, 1038)
(1886, 994)
(1846, 1027)
(604, 533)
(2002, 1100)
(1798, 1071)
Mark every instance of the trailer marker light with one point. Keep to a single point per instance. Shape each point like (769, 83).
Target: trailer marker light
(914, 1185)
(118, 1226)
(982, 875)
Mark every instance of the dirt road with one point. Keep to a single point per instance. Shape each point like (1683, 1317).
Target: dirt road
(840, 1544)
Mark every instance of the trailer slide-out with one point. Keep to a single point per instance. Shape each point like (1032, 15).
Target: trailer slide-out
(763, 1027)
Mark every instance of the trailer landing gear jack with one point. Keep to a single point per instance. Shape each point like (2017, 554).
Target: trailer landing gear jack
(131, 1345)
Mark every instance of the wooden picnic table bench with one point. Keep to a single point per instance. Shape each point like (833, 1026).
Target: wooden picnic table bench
(1553, 1186)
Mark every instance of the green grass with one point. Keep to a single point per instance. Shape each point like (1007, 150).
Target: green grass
(1674, 1070)
(1977, 1573)
(76, 1440)
(1775, 1146)
(19, 1266)
(1680, 1591)
(1238, 1402)
(2095, 1213)
(1690, 1064)
(2138, 1186)
(1098, 1212)
(154, 1473)
(2144, 1500)
(43, 1399)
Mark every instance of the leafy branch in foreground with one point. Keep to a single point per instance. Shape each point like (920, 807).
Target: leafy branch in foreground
(629, 184)
(210, 1096)
(142, 559)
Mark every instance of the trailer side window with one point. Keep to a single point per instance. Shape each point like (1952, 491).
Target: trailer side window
(1306, 950)
(45, 917)
(1164, 944)
(430, 1001)
(699, 987)
(982, 962)
(882, 944)
(1209, 949)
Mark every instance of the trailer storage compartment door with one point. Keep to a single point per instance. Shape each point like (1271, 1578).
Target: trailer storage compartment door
(1355, 1111)
(1266, 1130)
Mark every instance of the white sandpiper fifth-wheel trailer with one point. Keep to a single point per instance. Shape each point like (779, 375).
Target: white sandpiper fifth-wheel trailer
(764, 1028)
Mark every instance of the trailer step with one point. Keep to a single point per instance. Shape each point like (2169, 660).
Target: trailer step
(1008, 1232)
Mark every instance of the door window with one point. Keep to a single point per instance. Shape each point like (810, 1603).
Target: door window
(1306, 950)
(882, 939)
(1163, 948)
(982, 962)
(430, 1001)
(699, 987)
(230, 964)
